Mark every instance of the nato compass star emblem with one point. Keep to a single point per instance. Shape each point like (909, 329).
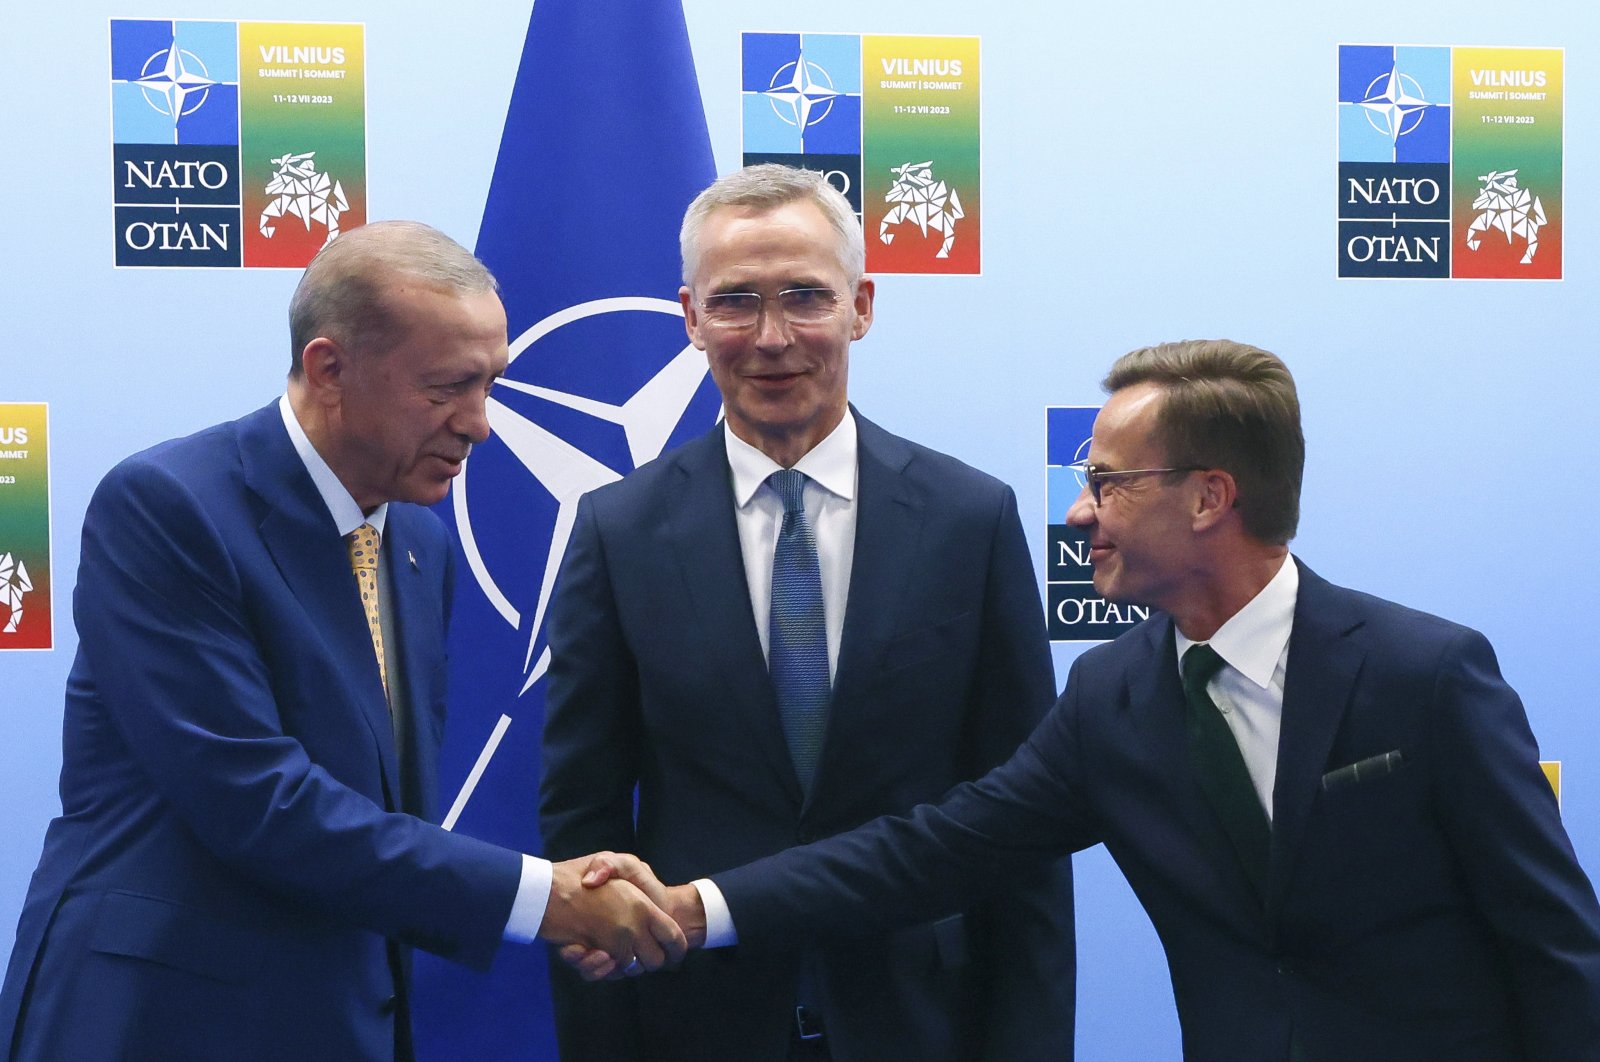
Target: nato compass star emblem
(801, 93)
(175, 82)
(552, 443)
(1394, 104)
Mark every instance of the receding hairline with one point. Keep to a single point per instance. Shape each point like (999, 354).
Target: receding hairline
(345, 291)
(381, 250)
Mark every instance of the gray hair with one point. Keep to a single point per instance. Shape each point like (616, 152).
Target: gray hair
(341, 293)
(767, 187)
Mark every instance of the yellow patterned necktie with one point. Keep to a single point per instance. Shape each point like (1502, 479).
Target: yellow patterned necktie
(363, 543)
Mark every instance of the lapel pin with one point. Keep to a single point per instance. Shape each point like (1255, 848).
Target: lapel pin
(412, 557)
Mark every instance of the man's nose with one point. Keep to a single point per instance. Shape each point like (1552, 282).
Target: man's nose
(772, 330)
(471, 420)
(1083, 511)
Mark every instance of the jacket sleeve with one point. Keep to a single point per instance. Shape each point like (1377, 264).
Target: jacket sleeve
(1023, 937)
(896, 871)
(179, 666)
(1505, 828)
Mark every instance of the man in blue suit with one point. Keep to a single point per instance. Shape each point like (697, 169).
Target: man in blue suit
(677, 665)
(246, 851)
(1339, 827)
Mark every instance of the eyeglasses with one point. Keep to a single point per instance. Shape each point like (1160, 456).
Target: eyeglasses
(742, 309)
(1095, 476)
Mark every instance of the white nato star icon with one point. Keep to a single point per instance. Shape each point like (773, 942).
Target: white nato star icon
(1394, 104)
(807, 88)
(180, 76)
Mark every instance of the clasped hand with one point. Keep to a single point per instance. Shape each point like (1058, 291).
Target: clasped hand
(610, 912)
(599, 958)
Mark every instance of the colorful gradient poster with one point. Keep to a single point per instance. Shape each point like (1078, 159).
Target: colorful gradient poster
(235, 143)
(894, 122)
(302, 137)
(25, 619)
(1450, 162)
(920, 140)
(1506, 185)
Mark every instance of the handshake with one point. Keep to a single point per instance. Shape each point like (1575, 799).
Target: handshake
(613, 918)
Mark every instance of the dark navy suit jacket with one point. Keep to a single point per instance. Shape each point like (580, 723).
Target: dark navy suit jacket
(657, 678)
(1435, 913)
(233, 868)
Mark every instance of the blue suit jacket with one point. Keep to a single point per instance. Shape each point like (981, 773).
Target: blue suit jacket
(233, 864)
(1434, 913)
(657, 678)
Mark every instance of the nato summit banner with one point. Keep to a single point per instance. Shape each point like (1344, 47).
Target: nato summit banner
(25, 616)
(1074, 612)
(235, 143)
(894, 121)
(1450, 162)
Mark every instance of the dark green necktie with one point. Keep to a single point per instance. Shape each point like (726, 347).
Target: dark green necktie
(1220, 769)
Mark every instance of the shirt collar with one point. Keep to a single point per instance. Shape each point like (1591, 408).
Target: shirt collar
(831, 464)
(347, 515)
(1252, 640)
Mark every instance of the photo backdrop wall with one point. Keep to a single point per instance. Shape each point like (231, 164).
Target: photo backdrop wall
(1143, 172)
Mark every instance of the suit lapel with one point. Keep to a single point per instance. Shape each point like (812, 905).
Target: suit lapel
(889, 517)
(417, 608)
(1324, 661)
(1157, 702)
(312, 558)
(700, 525)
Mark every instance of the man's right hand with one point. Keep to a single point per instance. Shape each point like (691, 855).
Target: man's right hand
(606, 870)
(611, 916)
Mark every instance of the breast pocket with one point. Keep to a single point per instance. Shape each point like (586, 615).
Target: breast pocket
(949, 640)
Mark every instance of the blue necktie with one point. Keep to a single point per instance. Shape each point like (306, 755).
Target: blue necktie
(797, 639)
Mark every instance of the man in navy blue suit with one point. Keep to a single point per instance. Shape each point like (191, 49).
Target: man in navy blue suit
(1339, 827)
(929, 662)
(246, 850)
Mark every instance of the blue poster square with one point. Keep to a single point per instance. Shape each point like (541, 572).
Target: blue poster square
(134, 42)
(215, 120)
(765, 130)
(1067, 432)
(835, 60)
(835, 127)
(1359, 66)
(764, 54)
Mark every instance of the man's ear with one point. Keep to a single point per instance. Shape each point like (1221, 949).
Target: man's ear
(691, 316)
(323, 363)
(865, 292)
(1217, 499)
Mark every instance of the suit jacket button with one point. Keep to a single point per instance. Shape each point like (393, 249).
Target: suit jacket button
(388, 1005)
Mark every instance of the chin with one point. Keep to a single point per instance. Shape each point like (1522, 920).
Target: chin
(429, 494)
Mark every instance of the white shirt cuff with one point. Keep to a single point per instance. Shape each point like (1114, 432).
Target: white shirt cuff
(719, 920)
(533, 896)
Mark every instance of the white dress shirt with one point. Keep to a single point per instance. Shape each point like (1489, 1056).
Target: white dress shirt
(1248, 689)
(830, 497)
(533, 889)
(830, 500)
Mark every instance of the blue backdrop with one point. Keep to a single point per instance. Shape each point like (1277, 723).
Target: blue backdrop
(1151, 172)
